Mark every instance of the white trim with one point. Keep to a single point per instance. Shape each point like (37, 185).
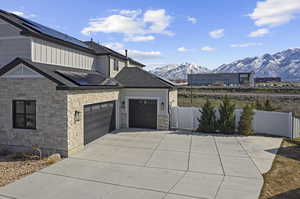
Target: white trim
(13, 37)
(14, 73)
(127, 98)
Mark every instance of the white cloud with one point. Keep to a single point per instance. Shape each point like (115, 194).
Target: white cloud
(158, 20)
(114, 24)
(132, 23)
(139, 38)
(193, 20)
(22, 14)
(244, 45)
(217, 34)
(133, 13)
(207, 49)
(182, 49)
(114, 45)
(259, 33)
(275, 12)
(143, 55)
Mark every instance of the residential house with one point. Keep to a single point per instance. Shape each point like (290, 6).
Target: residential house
(59, 93)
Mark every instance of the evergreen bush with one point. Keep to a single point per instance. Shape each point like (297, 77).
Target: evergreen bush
(226, 123)
(245, 123)
(207, 121)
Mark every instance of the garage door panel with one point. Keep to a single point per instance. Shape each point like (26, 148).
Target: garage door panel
(99, 119)
(142, 113)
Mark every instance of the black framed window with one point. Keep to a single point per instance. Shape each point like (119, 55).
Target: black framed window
(24, 114)
(116, 64)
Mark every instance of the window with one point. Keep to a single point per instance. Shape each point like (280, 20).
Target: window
(24, 114)
(244, 78)
(116, 65)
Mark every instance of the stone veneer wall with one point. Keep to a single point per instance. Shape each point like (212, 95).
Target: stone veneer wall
(173, 98)
(76, 101)
(163, 122)
(51, 115)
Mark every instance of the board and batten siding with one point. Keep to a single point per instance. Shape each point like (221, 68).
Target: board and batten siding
(121, 64)
(12, 44)
(51, 53)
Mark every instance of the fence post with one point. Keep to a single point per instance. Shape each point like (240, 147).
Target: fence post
(254, 121)
(177, 120)
(291, 123)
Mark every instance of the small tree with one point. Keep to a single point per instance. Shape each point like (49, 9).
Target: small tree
(245, 123)
(207, 122)
(268, 106)
(258, 105)
(226, 122)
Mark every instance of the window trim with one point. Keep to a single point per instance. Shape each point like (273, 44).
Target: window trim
(116, 64)
(25, 114)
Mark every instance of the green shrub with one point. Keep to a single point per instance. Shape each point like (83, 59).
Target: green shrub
(245, 123)
(258, 105)
(226, 123)
(268, 106)
(207, 122)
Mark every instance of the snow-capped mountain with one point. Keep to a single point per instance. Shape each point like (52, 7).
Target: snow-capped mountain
(285, 64)
(178, 71)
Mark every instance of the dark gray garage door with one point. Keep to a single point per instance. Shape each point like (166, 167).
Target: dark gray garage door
(99, 119)
(142, 113)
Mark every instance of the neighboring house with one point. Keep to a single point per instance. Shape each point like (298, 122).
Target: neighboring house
(59, 93)
(228, 79)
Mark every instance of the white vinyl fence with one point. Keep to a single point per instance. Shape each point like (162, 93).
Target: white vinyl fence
(264, 122)
(296, 127)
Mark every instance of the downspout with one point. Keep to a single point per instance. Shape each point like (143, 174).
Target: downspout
(169, 109)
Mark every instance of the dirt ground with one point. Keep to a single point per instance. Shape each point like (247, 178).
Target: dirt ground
(283, 180)
(13, 168)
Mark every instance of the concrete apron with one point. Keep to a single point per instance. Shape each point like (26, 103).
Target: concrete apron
(155, 164)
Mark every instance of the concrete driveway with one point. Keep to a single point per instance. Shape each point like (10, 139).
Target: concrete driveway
(155, 165)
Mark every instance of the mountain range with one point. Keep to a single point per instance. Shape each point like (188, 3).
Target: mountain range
(179, 71)
(284, 64)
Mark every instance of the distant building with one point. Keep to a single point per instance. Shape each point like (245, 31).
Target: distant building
(228, 79)
(267, 79)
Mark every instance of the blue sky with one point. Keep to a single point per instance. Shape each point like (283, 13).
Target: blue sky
(205, 32)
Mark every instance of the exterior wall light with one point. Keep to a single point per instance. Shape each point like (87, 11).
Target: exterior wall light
(162, 106)
(77, 116)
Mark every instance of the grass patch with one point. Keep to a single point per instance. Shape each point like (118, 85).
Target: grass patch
(283, 180)
(199, 102)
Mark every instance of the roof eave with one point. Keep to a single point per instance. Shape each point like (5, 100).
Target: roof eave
(88, 87)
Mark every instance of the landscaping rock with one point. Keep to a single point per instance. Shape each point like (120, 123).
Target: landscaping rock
(54, 158)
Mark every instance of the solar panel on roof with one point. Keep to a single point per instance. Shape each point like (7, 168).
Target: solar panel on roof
(87, 79)
(51, 32)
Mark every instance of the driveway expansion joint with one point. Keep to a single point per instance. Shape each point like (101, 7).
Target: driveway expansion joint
(219, 156)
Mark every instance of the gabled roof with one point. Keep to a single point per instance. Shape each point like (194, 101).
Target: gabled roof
(34, 29)
(103, 50)
(135, 77)
(66, 77)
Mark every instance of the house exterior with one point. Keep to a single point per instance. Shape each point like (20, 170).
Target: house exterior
(59, 93)
(228, 79)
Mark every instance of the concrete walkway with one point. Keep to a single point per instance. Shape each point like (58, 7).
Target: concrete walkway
(155, 165)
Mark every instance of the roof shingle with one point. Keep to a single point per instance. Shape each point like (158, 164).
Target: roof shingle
(135, 77)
